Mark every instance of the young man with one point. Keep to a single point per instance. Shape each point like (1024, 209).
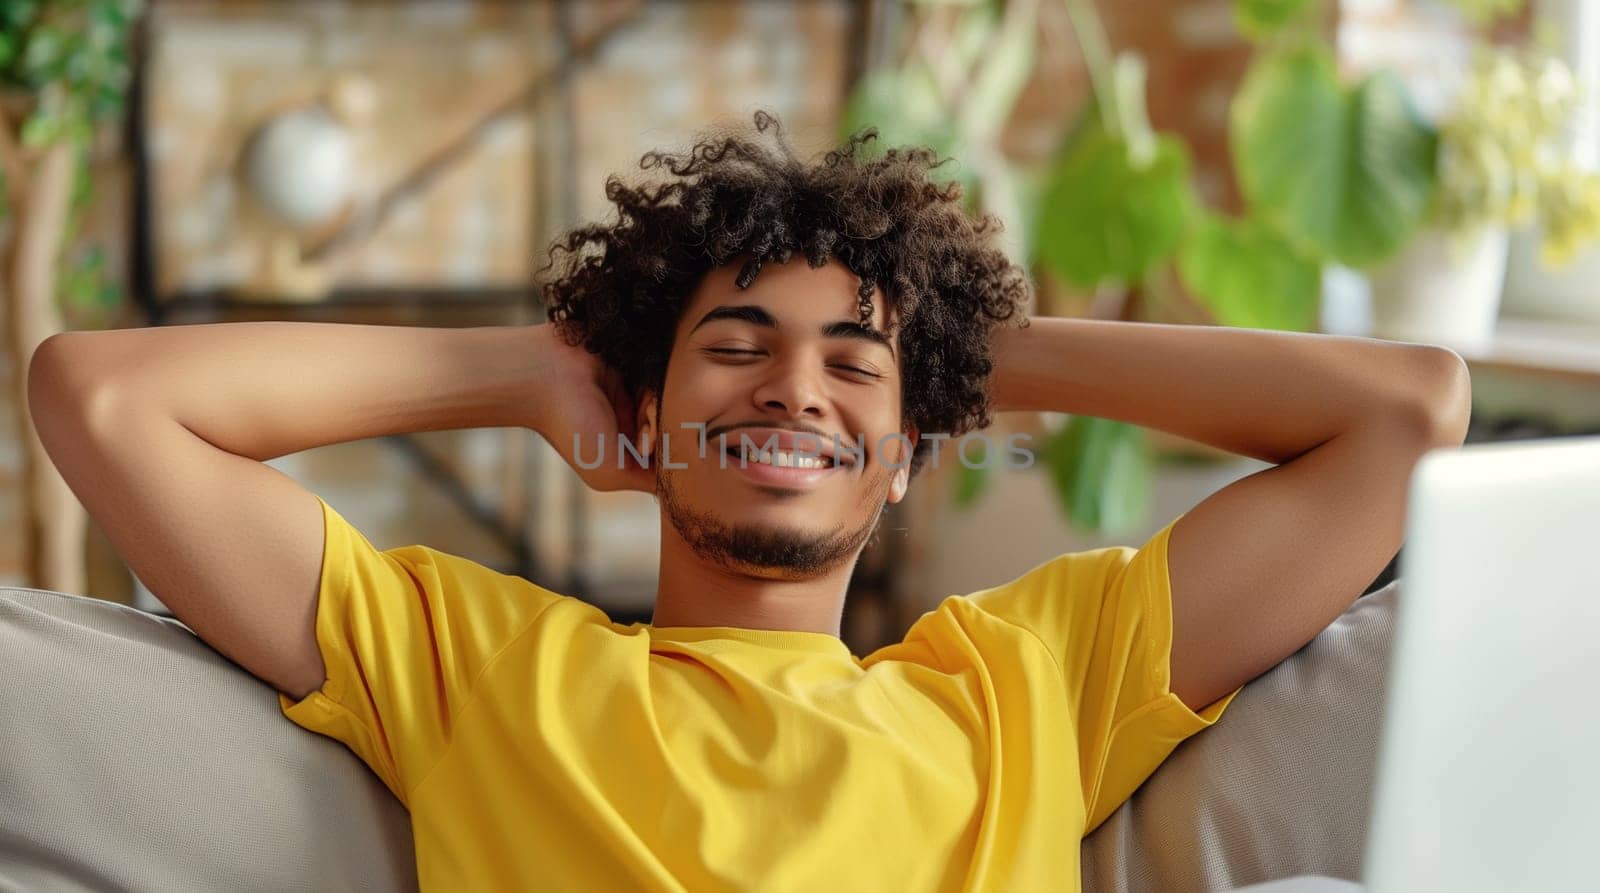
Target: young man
(736, 742)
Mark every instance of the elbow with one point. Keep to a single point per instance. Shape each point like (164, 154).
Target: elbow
(62, 383)
(1441, 404)
(48, 371)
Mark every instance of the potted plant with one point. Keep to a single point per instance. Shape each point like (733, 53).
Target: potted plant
(63, 70)
(1331, 171)
(1501, 165)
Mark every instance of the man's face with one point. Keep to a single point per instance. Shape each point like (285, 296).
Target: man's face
(786, 357)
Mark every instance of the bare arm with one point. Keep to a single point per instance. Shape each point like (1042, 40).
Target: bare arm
(1261, 566)
(161, 433)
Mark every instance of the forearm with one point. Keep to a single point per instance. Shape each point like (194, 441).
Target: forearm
(1266, 394)
(267, 389)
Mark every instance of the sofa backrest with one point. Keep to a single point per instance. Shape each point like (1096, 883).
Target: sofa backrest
(1280, 787)
(133, 756)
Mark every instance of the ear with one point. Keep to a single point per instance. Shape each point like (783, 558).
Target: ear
(649, 424)
(902, 475)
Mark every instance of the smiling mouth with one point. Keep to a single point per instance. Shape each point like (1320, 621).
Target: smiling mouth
(763, 468)
(782, 459)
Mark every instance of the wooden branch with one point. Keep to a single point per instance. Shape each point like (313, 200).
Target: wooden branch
(55, 521)
(13, 158)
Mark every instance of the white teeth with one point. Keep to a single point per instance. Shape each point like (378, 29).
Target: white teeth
(783, 459)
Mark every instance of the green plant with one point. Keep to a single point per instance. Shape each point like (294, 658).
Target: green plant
(1500, 155)
(1341, 172)
(1331, 171)
(65, 64)
(63, 69)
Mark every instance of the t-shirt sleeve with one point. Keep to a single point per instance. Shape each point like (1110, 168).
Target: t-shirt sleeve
(404, 634)
(1106, 617)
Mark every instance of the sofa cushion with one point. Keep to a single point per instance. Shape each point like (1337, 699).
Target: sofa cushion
(133, 756)
(1280, 787)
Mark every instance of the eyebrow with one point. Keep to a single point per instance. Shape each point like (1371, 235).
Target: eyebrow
(756, 315)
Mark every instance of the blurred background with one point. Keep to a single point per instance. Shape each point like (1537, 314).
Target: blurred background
(1418, 170)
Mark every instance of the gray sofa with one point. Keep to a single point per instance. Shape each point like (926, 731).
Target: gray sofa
(134, 757)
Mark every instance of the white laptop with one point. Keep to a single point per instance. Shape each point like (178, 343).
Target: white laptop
(1488, 772)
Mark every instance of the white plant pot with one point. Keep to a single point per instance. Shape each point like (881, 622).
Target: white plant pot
(1442, 290)
(1565, 293)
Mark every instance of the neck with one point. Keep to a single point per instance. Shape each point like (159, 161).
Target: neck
(695, 591)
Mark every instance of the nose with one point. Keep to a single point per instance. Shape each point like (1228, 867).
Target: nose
(791, 388)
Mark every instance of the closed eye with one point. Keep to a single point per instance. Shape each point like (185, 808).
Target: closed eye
(733, 351)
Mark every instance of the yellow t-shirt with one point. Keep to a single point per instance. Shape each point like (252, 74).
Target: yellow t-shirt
(539, 745)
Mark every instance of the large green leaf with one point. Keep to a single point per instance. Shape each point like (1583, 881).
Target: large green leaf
(1104, 217)
(1261, 19)
(1344, 173)
(1249, 276)
(1101, 469)
(1028, 186)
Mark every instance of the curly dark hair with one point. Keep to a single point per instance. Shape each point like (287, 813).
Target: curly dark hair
(621, 288)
